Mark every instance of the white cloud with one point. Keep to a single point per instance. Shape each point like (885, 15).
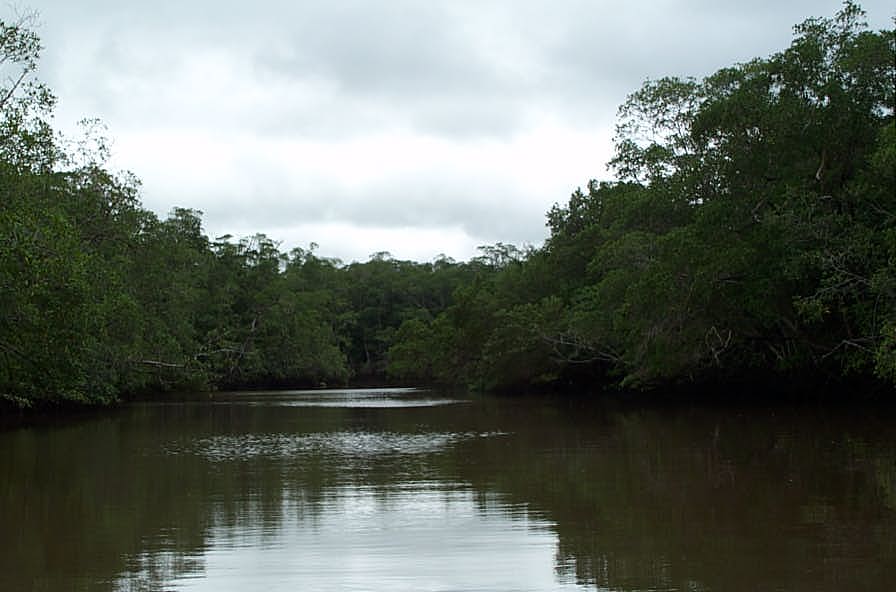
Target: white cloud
(360, 124)
(488, 189)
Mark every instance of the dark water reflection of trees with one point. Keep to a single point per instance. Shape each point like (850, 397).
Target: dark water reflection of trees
(686, 499)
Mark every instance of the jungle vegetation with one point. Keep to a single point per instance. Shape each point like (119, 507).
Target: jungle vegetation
(749, 233)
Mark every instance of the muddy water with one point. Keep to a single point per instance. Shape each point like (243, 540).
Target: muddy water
(411, 490)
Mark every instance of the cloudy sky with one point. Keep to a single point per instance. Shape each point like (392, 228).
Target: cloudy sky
(418, 127)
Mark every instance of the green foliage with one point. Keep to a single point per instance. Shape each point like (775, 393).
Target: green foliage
(100, 298)
(752, 232)
(26, 138)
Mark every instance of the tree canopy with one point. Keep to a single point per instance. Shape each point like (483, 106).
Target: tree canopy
(749, 233)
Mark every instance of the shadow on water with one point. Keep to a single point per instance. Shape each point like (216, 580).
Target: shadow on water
(158, 496)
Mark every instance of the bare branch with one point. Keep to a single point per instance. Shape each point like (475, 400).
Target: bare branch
(12, 89)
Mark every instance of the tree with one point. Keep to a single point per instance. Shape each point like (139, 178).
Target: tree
(26, 138)
(750, 233)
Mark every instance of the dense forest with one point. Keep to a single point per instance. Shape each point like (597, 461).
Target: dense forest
(749, 234)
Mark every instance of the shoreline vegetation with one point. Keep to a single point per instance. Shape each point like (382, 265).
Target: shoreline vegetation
(748, 241)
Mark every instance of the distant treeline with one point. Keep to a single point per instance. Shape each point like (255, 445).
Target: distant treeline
(751, 234)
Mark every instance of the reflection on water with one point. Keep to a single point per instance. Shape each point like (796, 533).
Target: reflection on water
(423, 536)
(347, 398)
(400, 490)
(339, 446)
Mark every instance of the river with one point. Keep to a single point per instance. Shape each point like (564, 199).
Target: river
(398, 489)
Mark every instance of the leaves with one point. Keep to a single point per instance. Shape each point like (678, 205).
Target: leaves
(752, 232)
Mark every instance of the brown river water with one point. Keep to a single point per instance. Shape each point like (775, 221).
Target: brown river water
(404, 490)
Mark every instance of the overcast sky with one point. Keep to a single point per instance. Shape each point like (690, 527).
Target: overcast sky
(420, 127)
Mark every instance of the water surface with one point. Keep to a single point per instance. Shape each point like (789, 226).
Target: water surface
(397, 489)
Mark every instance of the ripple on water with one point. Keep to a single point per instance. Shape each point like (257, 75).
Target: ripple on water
(345, 398)
(346, 444)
